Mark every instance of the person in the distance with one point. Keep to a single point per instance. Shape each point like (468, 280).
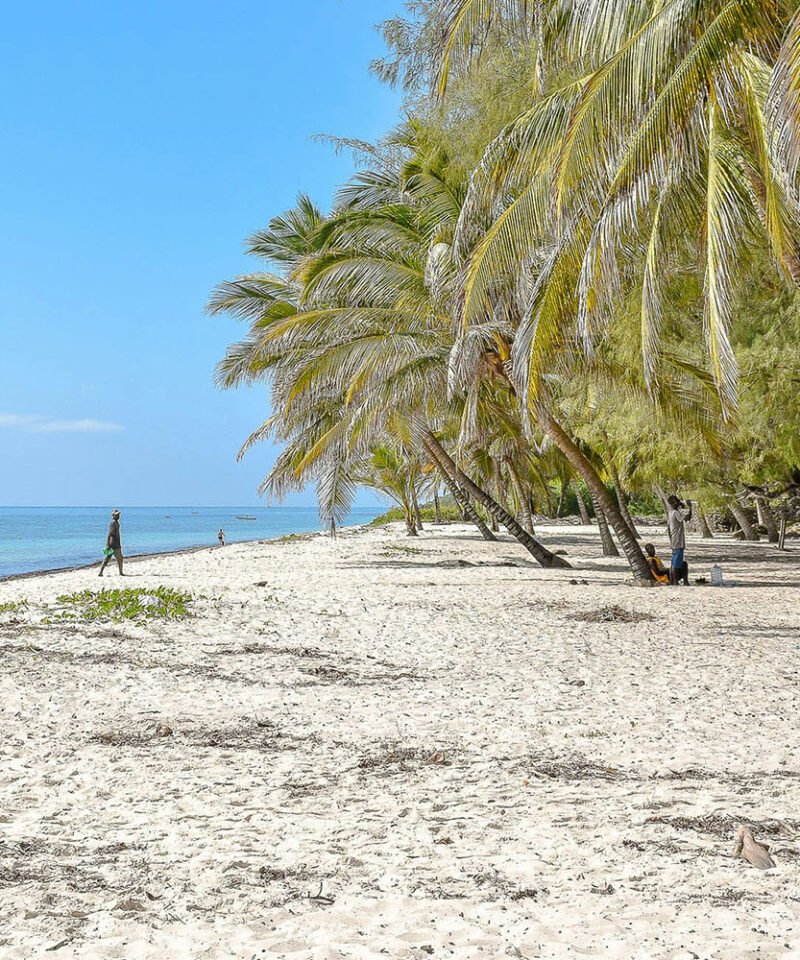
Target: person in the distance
(113, 544)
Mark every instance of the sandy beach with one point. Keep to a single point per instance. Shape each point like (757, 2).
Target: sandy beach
(394, 747)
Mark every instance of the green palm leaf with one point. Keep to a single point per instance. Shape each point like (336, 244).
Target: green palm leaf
(724, 226)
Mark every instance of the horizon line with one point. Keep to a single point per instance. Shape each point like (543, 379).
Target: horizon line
(156, 506)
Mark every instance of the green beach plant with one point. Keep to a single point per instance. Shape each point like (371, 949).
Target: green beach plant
(13, 606)
(141, 604)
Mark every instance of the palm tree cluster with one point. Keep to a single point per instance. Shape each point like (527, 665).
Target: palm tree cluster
(571, 267)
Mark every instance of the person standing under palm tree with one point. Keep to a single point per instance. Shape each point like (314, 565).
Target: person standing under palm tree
(677, 515)
(113, 544)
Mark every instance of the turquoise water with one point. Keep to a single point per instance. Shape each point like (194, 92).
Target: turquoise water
(48, 538)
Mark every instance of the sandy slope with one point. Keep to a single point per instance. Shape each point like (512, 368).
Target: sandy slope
(383, 753)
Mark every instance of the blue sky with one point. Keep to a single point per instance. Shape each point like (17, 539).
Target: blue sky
(141, 143)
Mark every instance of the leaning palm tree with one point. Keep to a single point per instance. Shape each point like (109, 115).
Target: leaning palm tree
(393, 333)
(362, 333)
(657, 158)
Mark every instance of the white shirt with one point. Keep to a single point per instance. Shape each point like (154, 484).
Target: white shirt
(676, 525)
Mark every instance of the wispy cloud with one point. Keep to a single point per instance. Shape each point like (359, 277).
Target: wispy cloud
(14, 420)
(34, 423)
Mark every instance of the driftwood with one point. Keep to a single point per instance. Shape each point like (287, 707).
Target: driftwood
(751, 850)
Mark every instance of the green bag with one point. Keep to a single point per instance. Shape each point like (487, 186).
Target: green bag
(108, 552)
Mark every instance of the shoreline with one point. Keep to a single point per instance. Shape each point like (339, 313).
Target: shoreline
(180, 552)
(185, 551)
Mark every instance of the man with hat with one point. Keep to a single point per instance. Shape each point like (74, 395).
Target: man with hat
(113, 544)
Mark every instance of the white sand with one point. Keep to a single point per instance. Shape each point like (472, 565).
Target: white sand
(521, 821)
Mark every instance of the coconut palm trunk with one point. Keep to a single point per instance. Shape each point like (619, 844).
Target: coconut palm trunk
(607, 540)
(622, 500)
(417, 514)
(462, 500)
(524, 507)
(705, 529)
(583, 510)
(766, 518)
(539, 552)
(600, 495)
(662, 497)
(467, 507)
(437, 509)
(500, 495)
(747, 528)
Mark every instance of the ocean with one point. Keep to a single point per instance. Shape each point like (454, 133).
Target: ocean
(50, 538)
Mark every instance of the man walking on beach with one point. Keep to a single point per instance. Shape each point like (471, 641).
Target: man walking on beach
(677, 515)
(113, 544)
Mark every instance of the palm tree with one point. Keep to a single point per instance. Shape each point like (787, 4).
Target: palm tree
(368, 331)
(388, 470)
(567, 311)
(656, 159)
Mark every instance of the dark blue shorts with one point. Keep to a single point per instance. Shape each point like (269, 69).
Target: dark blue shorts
(677, 561)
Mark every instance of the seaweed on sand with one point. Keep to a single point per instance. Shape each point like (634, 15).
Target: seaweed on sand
(262, 735)
(401, 758)
(612, 614)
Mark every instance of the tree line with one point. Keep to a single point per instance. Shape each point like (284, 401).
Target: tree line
(575, 259)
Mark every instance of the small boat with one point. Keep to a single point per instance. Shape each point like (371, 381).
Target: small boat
(246, 518)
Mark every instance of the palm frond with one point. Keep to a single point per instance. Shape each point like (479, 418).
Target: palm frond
(504, 248)
(723, 228)
(336, 492)
(546, 327)
(784, 103)
(248, 297)
(290, 236)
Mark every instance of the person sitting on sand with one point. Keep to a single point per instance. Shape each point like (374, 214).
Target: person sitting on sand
(657, 568)
(221, 537)
(113, 544)
(677, 515)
